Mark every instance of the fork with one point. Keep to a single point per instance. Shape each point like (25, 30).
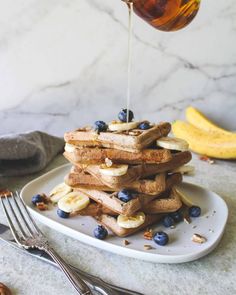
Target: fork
(28, 235)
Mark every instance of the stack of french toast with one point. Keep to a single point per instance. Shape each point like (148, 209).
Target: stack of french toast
(124, 173)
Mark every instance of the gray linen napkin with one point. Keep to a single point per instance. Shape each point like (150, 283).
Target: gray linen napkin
(22, 154)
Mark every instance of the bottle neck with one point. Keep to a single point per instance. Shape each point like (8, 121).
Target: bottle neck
(129, 1)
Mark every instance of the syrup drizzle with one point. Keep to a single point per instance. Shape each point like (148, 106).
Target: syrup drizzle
(129, 62)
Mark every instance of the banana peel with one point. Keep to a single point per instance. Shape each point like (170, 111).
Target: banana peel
(215, 145)
(197, 119)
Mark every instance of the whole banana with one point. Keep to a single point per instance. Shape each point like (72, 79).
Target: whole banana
(215, 145)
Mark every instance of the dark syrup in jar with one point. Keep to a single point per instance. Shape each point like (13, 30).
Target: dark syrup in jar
(166, 15)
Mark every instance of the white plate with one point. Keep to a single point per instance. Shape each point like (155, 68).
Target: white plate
(180, 249)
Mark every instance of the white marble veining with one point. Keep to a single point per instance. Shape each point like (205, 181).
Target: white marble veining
(63, 64)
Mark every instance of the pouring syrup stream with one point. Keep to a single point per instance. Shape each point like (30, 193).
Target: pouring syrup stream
(129, 62)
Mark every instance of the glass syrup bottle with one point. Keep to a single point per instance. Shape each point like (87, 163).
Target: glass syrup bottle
(166, 15)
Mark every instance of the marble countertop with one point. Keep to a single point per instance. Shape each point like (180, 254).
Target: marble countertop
(213, 274)
(63, 65)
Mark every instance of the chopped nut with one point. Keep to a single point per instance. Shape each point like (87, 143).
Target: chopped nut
(126, 242)
(42, 206)
(207, 159)
(148, 234)
(187, 219)
(46, 199)
(135, 132)
(86, 128)
(198, 239)
(147, 247)
(108, 162)
(4, 290)
(5, 193)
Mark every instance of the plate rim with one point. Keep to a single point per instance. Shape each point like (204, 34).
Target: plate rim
(119, 249)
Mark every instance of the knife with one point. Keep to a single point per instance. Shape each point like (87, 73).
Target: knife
(94, 283)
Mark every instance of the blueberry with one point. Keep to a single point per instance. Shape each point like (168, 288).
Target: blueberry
(168, 221)
(100, 232)
(62, 213)
(194, 211)
(144, 126)
(177, 216)
(125, 195)
(100, 126)
(123, 115)
(161, 238)
(37, 199)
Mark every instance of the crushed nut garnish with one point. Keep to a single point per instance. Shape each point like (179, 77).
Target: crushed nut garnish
(126, 242)
(5, 193)
(148, 234)
(187, 219)
(198, 239)
(46, 199)
(108, 162)
(207, 159)
(147, 247)
(86, 128)
(135, 132)
(42, 206)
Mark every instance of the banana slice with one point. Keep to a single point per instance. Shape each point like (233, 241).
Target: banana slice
(184, 198)
(69, 148)
(59, 192)
(185, 169)
(173, 143)
(114, 170)
(120, 126)
(72, 202)
(131, 221)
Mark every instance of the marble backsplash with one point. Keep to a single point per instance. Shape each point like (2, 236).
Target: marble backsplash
(63, 64)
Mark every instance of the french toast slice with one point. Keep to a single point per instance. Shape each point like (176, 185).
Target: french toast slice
(111, 201)
(132, 140)
(110, 222)
(135, 172)
(98, 155)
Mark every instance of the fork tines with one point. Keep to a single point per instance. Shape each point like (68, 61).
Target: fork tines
(21, 223)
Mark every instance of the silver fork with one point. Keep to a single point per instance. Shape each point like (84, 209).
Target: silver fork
(28, 235)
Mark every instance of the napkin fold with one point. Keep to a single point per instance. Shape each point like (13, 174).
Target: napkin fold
(26, 153)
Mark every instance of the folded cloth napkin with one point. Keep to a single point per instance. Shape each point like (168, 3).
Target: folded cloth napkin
(22, 154)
